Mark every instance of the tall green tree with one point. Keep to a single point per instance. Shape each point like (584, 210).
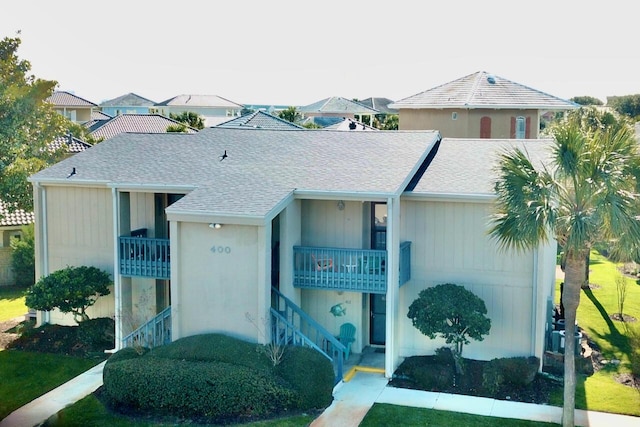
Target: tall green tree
(291, 114)
(188, 118)
(27, 125)
(587, 194)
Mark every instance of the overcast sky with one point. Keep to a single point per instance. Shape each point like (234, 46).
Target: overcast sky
(296, 52)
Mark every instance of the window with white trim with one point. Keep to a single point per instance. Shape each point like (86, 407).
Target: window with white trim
(521, 127)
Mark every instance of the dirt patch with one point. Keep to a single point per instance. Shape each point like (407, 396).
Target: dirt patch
(8, 332)
(624, 318)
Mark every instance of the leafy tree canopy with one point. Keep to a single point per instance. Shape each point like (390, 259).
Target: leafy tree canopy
(586, 100)
(452, 312)
(27, 125)
(189, 118)
(291, 114)
(628, 105)
(71, 290)
(23, 261)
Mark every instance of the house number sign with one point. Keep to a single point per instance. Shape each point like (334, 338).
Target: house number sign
(220, 249)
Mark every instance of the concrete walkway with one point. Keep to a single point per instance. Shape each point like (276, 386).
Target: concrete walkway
(352, 401)
(41, 409)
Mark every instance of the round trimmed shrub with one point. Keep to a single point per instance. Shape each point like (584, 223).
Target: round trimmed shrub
(310, 374)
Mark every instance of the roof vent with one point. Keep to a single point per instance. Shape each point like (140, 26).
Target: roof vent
(491, 79)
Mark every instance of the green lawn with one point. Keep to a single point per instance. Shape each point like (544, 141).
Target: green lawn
(382, 414)
(11, 302)
(601, 392)
(26, 376)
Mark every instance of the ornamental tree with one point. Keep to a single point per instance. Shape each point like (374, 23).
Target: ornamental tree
(451, 312)
(71, 290)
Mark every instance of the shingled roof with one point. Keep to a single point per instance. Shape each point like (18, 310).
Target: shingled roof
(14, 219)
(138, 123)
(212, 101)
(259, 120)
(380, 104)
(67, 99)
(464, 167)
(128, 100)
(69, 143)
(337, 105)
(484, 90)
(263, 170)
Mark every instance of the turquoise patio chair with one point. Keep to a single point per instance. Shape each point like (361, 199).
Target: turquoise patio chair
(347, 336)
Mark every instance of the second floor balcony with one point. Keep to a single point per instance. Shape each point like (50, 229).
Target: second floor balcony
(144, 257)
(340, 269)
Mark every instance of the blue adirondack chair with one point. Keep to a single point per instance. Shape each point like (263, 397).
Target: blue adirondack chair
(347, 336)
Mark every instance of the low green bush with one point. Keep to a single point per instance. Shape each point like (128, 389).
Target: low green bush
(310, 374)
(515, 371)
(216, 391)
(218, 378)
(97, 333)
(432, 373)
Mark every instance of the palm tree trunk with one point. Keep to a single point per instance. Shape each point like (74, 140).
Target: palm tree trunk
(574, 277)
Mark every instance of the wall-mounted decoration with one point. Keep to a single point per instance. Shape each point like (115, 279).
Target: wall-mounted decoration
(338, 310)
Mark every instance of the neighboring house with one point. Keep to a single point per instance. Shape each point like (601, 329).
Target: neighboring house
(129, 103)
(76, 109)
(349, 124)
(480, 105)
(267, 108)
(303, 230)
(11, 224)
(338, 107)
(132, 123)
(261, 120)
(214, 109)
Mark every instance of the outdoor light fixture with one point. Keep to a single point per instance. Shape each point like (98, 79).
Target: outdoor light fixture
(215, 225)
(340, 205)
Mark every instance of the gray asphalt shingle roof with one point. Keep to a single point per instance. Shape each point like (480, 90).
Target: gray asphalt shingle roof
(261, 120)
(263, 168)
(337, 105)
(213, 101)
(465, 166)
(133, 123)
(128, 100)
(66, 99)
(477, 91)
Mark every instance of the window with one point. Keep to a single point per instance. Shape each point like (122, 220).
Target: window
(485, 127)
(520, 127)
(454, 115)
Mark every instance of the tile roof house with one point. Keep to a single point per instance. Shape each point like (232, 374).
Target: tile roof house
(136, 123)
(260, 120)
(336, 106)
(71, 106)
(380, 104)
(287, 225)
(69, 143)
(129, 103)
(349, 124)
(11, 223)
(479, 105)
(214, 109)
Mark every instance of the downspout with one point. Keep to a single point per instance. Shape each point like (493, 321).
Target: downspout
(534, 302)
(117, 283)
(46, 316)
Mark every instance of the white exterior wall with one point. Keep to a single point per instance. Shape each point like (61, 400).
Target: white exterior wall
(323, 224)
(79, 232)
(450, 245)
(216, 280)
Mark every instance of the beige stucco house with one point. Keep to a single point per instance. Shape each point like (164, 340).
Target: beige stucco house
(213, 108)
(301, 230)
(73, 107)
(480, 105)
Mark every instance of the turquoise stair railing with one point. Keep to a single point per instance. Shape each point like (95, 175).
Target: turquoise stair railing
(290, 325)
(154, 333)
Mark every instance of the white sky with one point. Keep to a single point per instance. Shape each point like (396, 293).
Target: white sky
(296, 52)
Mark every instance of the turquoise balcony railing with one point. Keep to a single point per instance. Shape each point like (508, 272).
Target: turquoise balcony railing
(340, 269)
(144, 257)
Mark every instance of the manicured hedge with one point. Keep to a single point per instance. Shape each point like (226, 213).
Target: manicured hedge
(218, 378)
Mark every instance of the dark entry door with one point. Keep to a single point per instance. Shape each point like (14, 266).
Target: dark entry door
(377, 329)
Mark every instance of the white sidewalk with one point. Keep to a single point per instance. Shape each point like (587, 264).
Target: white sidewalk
(39, 410)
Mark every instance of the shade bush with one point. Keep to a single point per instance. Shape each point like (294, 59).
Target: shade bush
(217, 378)
(310, 374)
(515, 371)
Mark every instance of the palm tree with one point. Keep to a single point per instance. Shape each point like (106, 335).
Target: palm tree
(586, 194)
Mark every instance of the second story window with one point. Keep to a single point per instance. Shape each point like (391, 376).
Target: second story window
(521, 127)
